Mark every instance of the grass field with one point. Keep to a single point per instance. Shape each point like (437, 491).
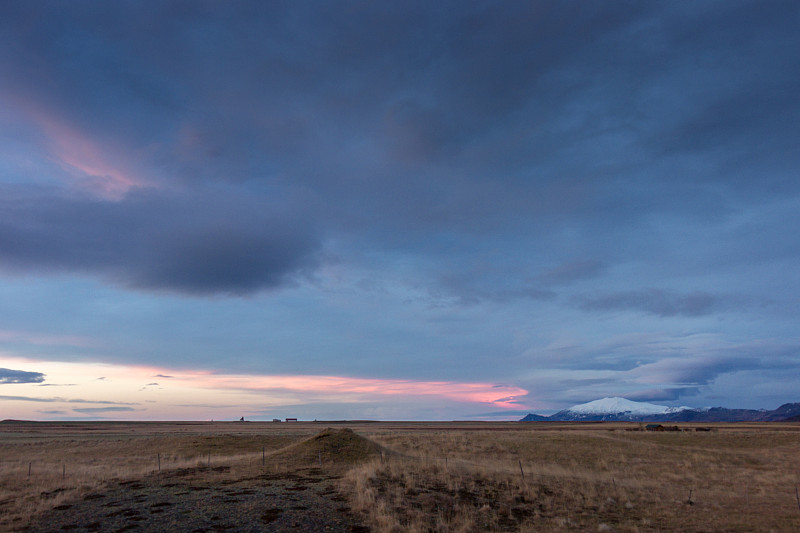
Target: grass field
(437, 476)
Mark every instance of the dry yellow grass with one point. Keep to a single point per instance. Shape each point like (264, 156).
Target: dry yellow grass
(458, 477)
(43, 465)
(738, 478)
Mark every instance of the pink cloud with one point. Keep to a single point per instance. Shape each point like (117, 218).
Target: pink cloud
(96, 166)
(503, 396)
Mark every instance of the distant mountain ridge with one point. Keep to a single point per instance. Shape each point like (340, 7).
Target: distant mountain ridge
(623, 410)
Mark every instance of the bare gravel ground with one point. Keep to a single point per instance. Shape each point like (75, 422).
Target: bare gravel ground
(208, 500)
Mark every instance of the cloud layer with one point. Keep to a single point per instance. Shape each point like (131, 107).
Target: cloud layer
(570, 198)
(19, 376)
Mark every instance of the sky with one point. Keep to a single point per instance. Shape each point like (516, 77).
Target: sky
(447, 210)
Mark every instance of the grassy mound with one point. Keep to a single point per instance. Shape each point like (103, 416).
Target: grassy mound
(340, 446)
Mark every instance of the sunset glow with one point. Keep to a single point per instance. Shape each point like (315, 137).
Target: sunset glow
(105, 391)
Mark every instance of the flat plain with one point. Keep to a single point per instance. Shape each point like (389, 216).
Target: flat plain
(398, 476)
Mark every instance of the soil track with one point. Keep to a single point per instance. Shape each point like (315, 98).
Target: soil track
(208, 500)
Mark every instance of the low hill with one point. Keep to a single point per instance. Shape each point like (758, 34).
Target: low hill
(340, 446)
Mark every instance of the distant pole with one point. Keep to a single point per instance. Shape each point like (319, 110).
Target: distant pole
(29, 470)
(319, 455)
(262, 455)
(64, 471)
(521, 471)
(159, 462)
(208, 463)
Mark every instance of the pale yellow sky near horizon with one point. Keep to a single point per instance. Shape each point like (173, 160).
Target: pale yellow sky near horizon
(74, 390)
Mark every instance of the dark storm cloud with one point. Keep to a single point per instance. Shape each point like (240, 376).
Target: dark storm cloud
(19, 376)
(409, 120)
(192, 244)
(731, 104)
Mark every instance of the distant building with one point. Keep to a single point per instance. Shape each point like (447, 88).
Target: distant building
(291, 420)
(276, 419)
(659, 427)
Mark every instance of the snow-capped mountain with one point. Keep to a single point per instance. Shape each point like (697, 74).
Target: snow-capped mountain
(622, 409)
(615, 406)
(615, 409)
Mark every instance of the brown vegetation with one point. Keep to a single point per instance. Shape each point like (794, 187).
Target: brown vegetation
(429, 477)
(583, 478)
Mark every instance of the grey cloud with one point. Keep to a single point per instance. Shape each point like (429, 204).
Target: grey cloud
(750, 101)
(472, 288)
(197, 245)
(209, 406)
(65, 400)
(656, 301)
(95, 410)
(19, 376)
(30, 399)
(499, 414)
(572, 271)
(662, 395)
(665, 368)
(100, 402)
(474, 153)
(586, 382)
(693, 370)
(490, 107)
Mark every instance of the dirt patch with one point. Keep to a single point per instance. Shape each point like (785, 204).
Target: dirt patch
(203, 500)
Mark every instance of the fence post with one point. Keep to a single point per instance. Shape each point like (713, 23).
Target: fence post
(797, 496)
